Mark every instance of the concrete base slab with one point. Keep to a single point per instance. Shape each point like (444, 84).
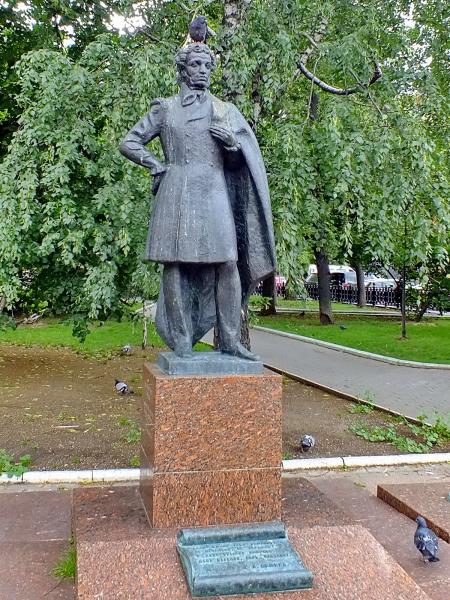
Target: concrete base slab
(120, 556)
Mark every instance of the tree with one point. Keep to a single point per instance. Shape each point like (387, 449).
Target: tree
(75, 213)
(64, 25)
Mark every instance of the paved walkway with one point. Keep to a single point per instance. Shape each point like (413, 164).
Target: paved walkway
(35, 524)
(407, 390)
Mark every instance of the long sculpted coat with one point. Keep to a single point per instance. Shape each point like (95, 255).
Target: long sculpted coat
(213, 203)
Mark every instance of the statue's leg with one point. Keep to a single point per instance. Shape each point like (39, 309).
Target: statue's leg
(228, 310)
(228, 304)
(177, 304)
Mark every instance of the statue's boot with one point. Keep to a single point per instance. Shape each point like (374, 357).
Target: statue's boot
(183, 350)
(241, 352)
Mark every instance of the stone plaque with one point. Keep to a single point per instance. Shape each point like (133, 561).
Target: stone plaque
(245, 559)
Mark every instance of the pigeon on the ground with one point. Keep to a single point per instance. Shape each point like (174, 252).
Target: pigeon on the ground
(126, 349)
(122, 387)
(307, 442)
(198, 30)
(426, 541)
(342, 327)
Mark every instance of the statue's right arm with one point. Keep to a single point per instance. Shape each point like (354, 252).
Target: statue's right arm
(149, 127)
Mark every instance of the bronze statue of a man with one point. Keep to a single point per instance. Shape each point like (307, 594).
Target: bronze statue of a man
(211, 224)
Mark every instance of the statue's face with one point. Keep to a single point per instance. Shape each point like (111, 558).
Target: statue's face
(198, 70)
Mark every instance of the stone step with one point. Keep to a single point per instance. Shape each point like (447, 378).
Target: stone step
(394, 531)
(426, 499)
(34, 535)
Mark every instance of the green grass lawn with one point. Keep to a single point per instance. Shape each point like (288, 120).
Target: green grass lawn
(103, 339)
(314, 305)
(428, 341)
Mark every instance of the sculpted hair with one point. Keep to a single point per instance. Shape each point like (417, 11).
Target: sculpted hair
(182, 56)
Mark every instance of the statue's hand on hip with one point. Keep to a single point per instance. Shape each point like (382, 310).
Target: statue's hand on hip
(225, 137)
(157, 178)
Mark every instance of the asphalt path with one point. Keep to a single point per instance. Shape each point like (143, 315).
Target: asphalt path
(410, 391)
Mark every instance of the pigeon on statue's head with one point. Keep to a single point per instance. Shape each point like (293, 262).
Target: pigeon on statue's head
(426, 541)
(198, 30)
(307, 442)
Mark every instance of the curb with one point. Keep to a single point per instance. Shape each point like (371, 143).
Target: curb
(342, 462)
(82, 476)
(354, 351)
(305, 464)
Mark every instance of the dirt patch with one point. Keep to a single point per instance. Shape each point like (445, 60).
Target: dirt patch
(62, 408)
(328, 418)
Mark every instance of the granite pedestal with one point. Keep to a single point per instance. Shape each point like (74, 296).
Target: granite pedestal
(211, 448)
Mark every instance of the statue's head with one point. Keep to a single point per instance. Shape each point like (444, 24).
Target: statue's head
(195, 63)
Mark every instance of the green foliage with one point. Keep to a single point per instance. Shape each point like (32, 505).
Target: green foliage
(75, 213)
(435, 433)
(425, 435)
(366, 407)
(257, 305)
(65, 26)
(66, 567)
(434, 292)
(361, 409)
(132, 433)
(7, 322)
(388, 434)
(11, 467)
(80, 327)
(135, 461)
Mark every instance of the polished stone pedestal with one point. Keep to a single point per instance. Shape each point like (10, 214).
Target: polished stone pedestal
(211, 448)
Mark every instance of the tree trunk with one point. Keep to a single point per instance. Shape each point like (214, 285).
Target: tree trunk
(423, 307)
(269, 290)
(234, 14)
(360, 287)
(144, 327)
(245, 329)
(2, 304)
(403, 305)
(403, 302)
(323, 276)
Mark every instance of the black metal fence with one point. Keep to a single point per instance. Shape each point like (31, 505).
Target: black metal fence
(375, 296)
